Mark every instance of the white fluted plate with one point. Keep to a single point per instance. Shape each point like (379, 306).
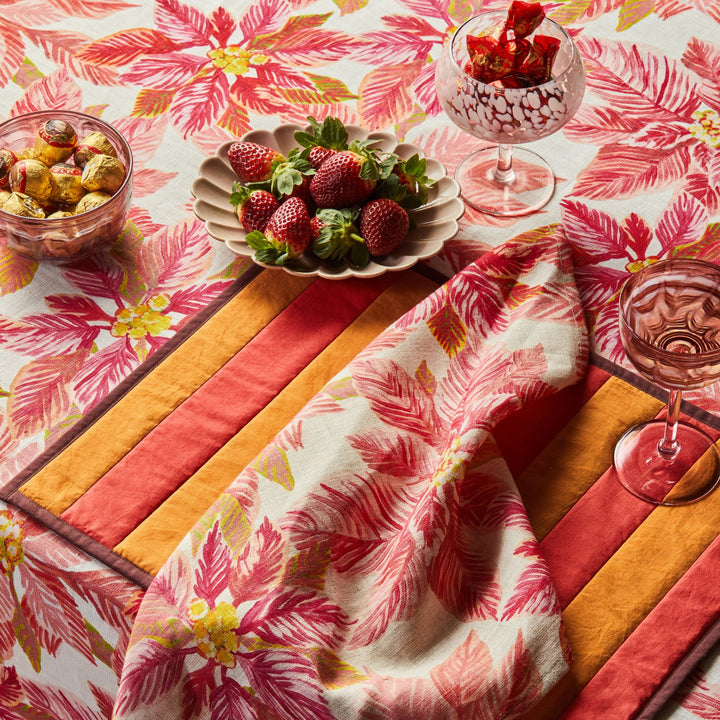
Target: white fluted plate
(435, 222)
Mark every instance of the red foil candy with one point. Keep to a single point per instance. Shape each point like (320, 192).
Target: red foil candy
(507, 57)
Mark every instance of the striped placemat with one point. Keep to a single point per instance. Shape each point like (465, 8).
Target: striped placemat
(133, 477)
(633, 580)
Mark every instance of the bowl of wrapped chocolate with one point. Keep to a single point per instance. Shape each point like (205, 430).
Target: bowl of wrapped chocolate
(65, 184)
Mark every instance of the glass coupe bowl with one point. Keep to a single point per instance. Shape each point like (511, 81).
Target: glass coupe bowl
(66, 239)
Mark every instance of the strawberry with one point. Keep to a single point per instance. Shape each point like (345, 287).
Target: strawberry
(322, 140)
(286, 237)
(384, 225)
(345, 179)
(318, 155)
(253, 162)
(254, 208)
(338, 235)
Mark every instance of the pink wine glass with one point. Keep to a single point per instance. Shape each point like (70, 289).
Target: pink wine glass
(500, 179)
(670, 330)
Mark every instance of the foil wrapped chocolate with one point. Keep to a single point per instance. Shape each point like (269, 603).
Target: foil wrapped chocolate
(59, 214)
(103, 173)
(507, 56)
(55, 142)
(67, 184)
(91, 201)
(7, 159)
(94, 144)
(22, 204)
(31, 177)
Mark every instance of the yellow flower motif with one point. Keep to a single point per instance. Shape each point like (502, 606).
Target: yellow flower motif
(636, 265)
(214, 631)
(235, 59)
(11, 536)
(450, 467)
(707, 127)
(144, 319)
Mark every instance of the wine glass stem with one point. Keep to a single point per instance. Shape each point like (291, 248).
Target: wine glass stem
(504, 173)
(669, 445)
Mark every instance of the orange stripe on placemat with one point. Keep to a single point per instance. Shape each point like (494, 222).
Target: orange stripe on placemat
(151, 543)
(68, 474)
(151, 471)
(633, 674)
(581, 452)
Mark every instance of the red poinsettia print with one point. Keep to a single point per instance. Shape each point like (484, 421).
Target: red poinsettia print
(246, 631)
(658, 122)
(212, 69)
(87, 342)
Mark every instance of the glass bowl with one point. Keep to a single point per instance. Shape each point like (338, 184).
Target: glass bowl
(71, 238)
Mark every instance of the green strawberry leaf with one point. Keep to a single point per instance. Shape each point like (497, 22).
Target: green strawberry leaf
(240, 193)
(359, 255)
(330, 134)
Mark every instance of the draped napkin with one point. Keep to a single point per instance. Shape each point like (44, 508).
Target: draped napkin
(375, 560)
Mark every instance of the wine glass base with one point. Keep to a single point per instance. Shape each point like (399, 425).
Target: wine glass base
(692, 473)
(530, 186)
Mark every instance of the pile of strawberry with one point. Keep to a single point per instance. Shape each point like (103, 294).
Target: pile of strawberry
(339, 200)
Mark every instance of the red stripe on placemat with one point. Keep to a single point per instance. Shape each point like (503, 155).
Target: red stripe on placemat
(580, 544)
(198, 428)
(640, 665)
(538, 422)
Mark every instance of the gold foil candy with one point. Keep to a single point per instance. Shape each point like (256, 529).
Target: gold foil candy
(58, 214)
(7, 159)
(90, 201)
(103, 173)
(67, 186)
(55, 142)
(4, 196)
(21, 204)
(94, 144)
(32, 178)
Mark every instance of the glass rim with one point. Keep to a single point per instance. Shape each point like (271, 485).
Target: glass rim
(502, 16)
(689, 360)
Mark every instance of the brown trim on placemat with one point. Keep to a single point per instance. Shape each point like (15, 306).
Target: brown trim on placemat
(8, 492)
(646, 386)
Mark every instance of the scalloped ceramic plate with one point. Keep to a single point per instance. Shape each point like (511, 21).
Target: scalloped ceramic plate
(435, 222)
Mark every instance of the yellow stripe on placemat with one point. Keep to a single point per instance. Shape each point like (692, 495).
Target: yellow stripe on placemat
(74, 470)
(151, 543)
(573, 460)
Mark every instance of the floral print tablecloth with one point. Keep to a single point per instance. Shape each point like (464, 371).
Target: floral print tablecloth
(638, 179)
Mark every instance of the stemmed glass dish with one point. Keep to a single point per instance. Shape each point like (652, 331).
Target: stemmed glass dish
(499, 178)
(670, 330)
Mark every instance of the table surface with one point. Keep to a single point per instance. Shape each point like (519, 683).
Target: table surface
(638, 178)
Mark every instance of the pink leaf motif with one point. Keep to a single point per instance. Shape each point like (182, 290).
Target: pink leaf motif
(191, 299)
(168, 71)
(682, 223)
(47, 335)
(13, 53)
(505, 690)
(213, 566)
(601, 126)
(273, 464)
(55, 702)
(391, 453)
(97, 279)
(200, 103)
(595, 234)
(260, 566)
(16, 271)
(638, 233)
(703, 58)
(11, 692)
(639, 80)
(222, 24)
(448, 329)
(103, 371)
(700, 697)
(79, 306)
(27, 638)
(151, 670)
(396, 45)
(621, 172)
(230, 701)
(296, 617)
(182, 23)
(262, 18)
(121, 48)
(310, 49)
(534, 594)
(40, 396)
(55, 90)
(396, 398)
(147, 181)
(384, 98)
(284, 683)
(489, 501)
(308, 568)
(174, 257)
(392, 698)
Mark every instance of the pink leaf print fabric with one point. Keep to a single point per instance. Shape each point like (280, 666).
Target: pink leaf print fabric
(402, 518)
